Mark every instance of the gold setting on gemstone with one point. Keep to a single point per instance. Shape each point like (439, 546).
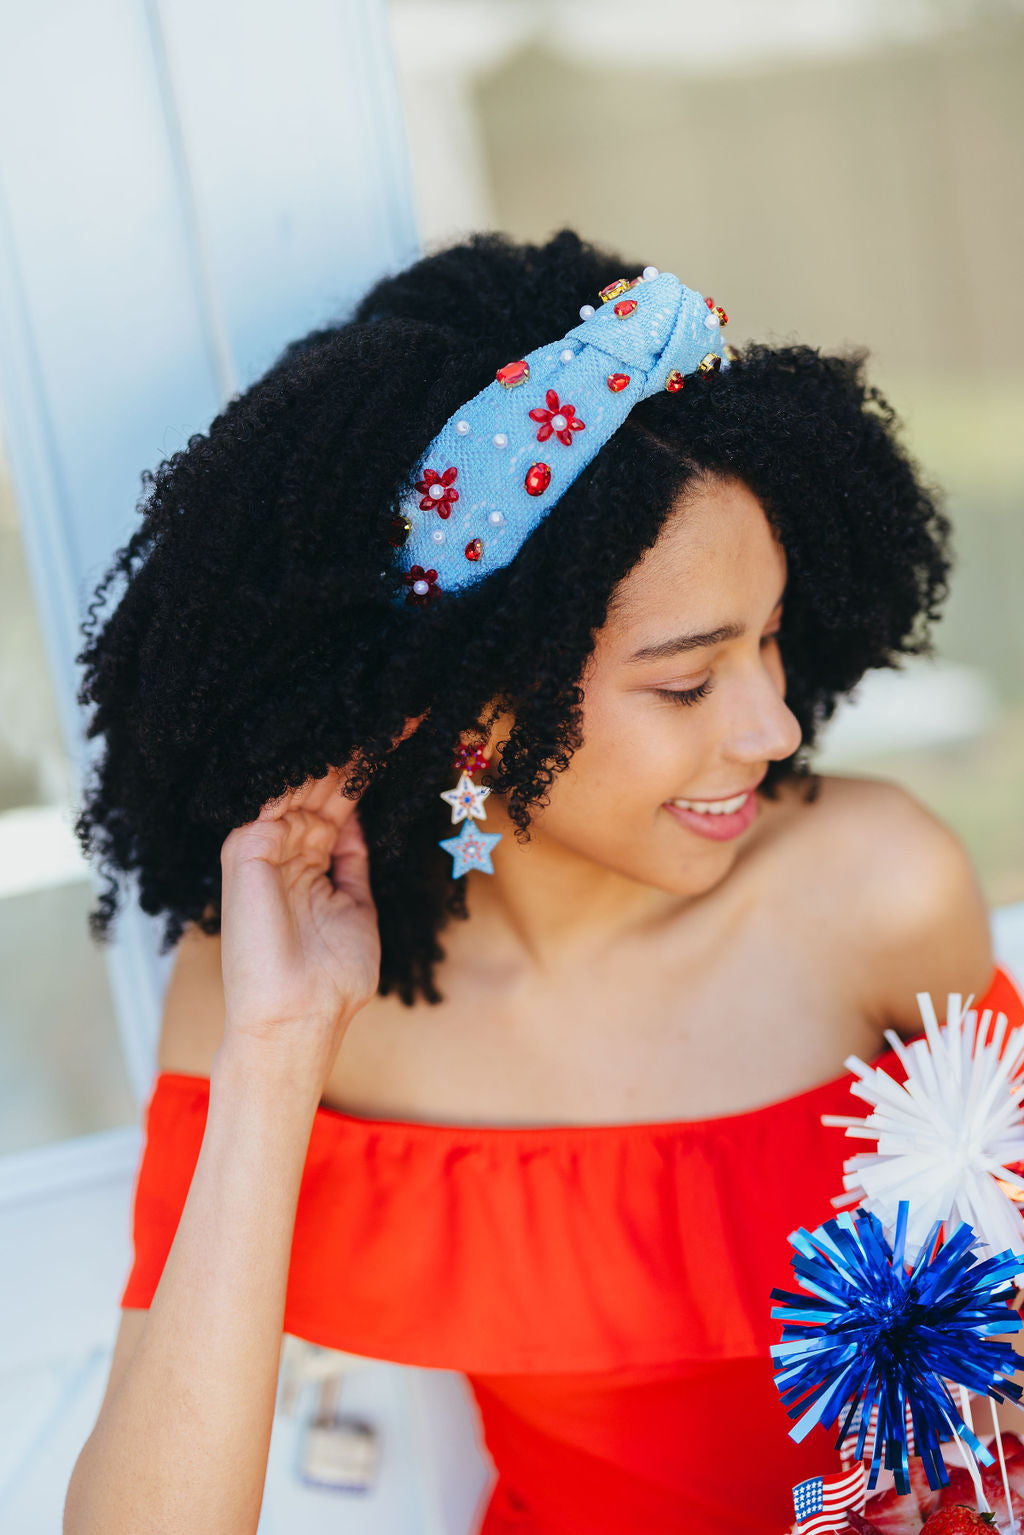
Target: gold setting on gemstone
(399, 529)
(538, 478)
(614, 290)
(513, 374)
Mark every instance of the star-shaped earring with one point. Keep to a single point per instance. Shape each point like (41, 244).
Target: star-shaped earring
(471, 849)
(466, 799)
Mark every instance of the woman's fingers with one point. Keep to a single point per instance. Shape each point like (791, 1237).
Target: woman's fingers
(350, 861)
(324, 794)
(316, 794)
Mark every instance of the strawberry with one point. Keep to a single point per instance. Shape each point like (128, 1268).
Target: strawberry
(992, 1482)
(1013, 1450)
(957, 1519)
(959, 1490)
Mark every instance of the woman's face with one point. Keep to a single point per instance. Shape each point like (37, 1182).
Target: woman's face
(683, 702)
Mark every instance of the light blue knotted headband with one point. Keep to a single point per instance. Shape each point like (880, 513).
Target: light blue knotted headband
(499, 465)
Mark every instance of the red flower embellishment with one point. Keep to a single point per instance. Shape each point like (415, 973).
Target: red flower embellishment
(438, 491)
(557, 421)
(423, 587)
(471, 759)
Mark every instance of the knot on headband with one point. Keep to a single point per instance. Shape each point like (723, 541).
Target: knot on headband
(503, 460)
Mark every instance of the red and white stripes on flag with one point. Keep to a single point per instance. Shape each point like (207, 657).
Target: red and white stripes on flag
(823, 1501)
(849, 1449)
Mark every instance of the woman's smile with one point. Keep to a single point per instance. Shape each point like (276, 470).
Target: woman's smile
(720, 826)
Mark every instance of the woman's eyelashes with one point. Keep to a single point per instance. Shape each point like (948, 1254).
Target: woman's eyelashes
(686, 695)
(694, 695)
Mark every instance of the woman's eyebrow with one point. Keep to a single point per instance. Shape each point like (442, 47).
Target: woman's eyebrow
(683, 642)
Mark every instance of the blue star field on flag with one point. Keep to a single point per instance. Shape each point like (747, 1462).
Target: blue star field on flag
(822, 1503)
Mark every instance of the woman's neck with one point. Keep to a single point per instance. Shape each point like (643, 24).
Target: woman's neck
(551, 906)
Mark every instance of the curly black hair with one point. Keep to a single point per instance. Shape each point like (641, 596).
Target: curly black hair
(255, 638)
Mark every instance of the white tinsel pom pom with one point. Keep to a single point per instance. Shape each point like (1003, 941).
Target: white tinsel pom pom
(947, 1137)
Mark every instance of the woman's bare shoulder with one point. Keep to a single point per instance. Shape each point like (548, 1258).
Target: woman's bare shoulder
(876, 814)
(902, 882)
(193, 1015)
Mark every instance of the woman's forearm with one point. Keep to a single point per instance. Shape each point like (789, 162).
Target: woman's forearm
(182, 1442)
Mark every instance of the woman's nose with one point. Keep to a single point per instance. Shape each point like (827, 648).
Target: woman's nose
(761, 726)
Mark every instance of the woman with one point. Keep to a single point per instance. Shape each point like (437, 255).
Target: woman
(556, 1122)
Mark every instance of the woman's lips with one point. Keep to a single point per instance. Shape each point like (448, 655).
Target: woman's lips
(718, 828)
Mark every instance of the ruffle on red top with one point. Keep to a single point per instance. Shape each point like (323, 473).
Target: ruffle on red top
(555, 1249)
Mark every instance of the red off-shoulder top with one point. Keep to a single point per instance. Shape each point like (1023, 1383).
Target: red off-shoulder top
(604, 1288)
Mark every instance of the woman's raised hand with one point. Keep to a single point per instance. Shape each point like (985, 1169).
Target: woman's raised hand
(300, 948)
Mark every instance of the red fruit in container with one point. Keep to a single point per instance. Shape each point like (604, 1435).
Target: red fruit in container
(928, 1498)
(860, 1525)
(893, 1513)
(992, 1482)
(1013, 1452)
(960, 1489)
(957, 1519)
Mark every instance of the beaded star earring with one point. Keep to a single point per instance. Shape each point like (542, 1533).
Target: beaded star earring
(471, 849)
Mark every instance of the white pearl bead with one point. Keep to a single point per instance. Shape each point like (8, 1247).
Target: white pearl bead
(438, 535)
(558, 423)
(712, 321)
(496, 518)
(462, 427)
(500, 440)
(650, 273)
(436, 492)
(566, 356)
(421, 588)
(586, 311)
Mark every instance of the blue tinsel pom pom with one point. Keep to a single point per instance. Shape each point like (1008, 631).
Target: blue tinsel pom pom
(873, 1332)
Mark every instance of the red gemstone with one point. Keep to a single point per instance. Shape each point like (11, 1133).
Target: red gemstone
(399, 529)
(710, 303)
(675, 381)
(474, 549)
(723, 318)
(617, 381)
(513, 373)
(538, 478)
(624, 308)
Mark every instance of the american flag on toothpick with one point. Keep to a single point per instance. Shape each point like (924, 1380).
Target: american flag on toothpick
(821, 1502)
(846, 1454)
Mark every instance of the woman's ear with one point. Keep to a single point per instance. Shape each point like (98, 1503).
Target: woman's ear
(499, 724)
(412, 724)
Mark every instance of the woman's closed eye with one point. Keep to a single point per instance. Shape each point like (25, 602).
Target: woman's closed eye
(694, 695)
(686, 695)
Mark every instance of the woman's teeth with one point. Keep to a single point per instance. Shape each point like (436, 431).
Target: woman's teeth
(713, 806)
